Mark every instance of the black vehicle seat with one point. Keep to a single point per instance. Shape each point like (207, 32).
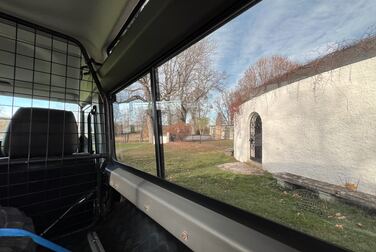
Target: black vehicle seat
(53, 177)
(44, 131)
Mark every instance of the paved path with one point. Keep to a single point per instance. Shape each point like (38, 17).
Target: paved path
(241, 168)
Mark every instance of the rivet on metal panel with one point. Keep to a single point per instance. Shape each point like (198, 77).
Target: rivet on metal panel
(184, 235)
(146, 208)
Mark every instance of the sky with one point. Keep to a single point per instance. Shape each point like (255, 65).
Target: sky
(301, 30)
(298, 29)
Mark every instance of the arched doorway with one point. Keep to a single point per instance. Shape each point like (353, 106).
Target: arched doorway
(255, 139)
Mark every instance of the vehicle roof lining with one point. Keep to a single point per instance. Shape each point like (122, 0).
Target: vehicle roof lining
(160, 29)
(94, 23)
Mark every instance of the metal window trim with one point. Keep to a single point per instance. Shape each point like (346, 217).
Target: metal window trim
(157, 123)
(200, 228)
(147, 191)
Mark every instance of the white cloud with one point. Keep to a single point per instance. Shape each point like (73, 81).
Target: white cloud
(300, 30)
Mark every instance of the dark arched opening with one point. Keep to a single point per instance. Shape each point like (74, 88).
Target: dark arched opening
(255, 139)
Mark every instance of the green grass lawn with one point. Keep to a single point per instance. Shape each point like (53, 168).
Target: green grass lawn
(194, 166)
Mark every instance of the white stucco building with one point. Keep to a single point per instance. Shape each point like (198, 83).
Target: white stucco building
(318, 121)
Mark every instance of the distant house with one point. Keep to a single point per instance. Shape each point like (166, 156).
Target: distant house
(317, 121)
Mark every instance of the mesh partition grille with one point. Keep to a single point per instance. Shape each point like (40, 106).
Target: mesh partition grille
(51, 126)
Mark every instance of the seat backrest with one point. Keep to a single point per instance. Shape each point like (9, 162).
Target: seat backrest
(42, 132)
(44, 188)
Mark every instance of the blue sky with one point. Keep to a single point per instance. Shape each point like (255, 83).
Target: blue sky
(299, 29)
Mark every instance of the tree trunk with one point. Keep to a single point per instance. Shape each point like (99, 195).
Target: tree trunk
(149, 123)
(183, 115)
(194, 124)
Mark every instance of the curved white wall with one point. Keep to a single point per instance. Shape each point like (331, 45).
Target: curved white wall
(322, 127)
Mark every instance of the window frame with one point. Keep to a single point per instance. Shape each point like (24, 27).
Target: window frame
(280, 232)
(157, 130)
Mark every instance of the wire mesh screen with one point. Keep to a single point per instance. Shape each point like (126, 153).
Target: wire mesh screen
(51, 127)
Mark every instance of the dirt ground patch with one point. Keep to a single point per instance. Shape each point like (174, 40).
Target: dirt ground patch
(241, 168)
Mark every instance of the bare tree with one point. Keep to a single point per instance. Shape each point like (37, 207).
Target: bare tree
(263, 71)
(198, 112)
(223, 107)
(184, 81)
(189, 77)
(257, 76)
(140, 91)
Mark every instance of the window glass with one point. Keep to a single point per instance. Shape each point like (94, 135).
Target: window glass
(134, 137)
(275, 113)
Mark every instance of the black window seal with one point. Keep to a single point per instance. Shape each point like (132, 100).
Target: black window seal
(136, 10)
(157, 123)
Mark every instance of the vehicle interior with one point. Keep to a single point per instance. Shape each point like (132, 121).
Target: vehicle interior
(121, 126)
